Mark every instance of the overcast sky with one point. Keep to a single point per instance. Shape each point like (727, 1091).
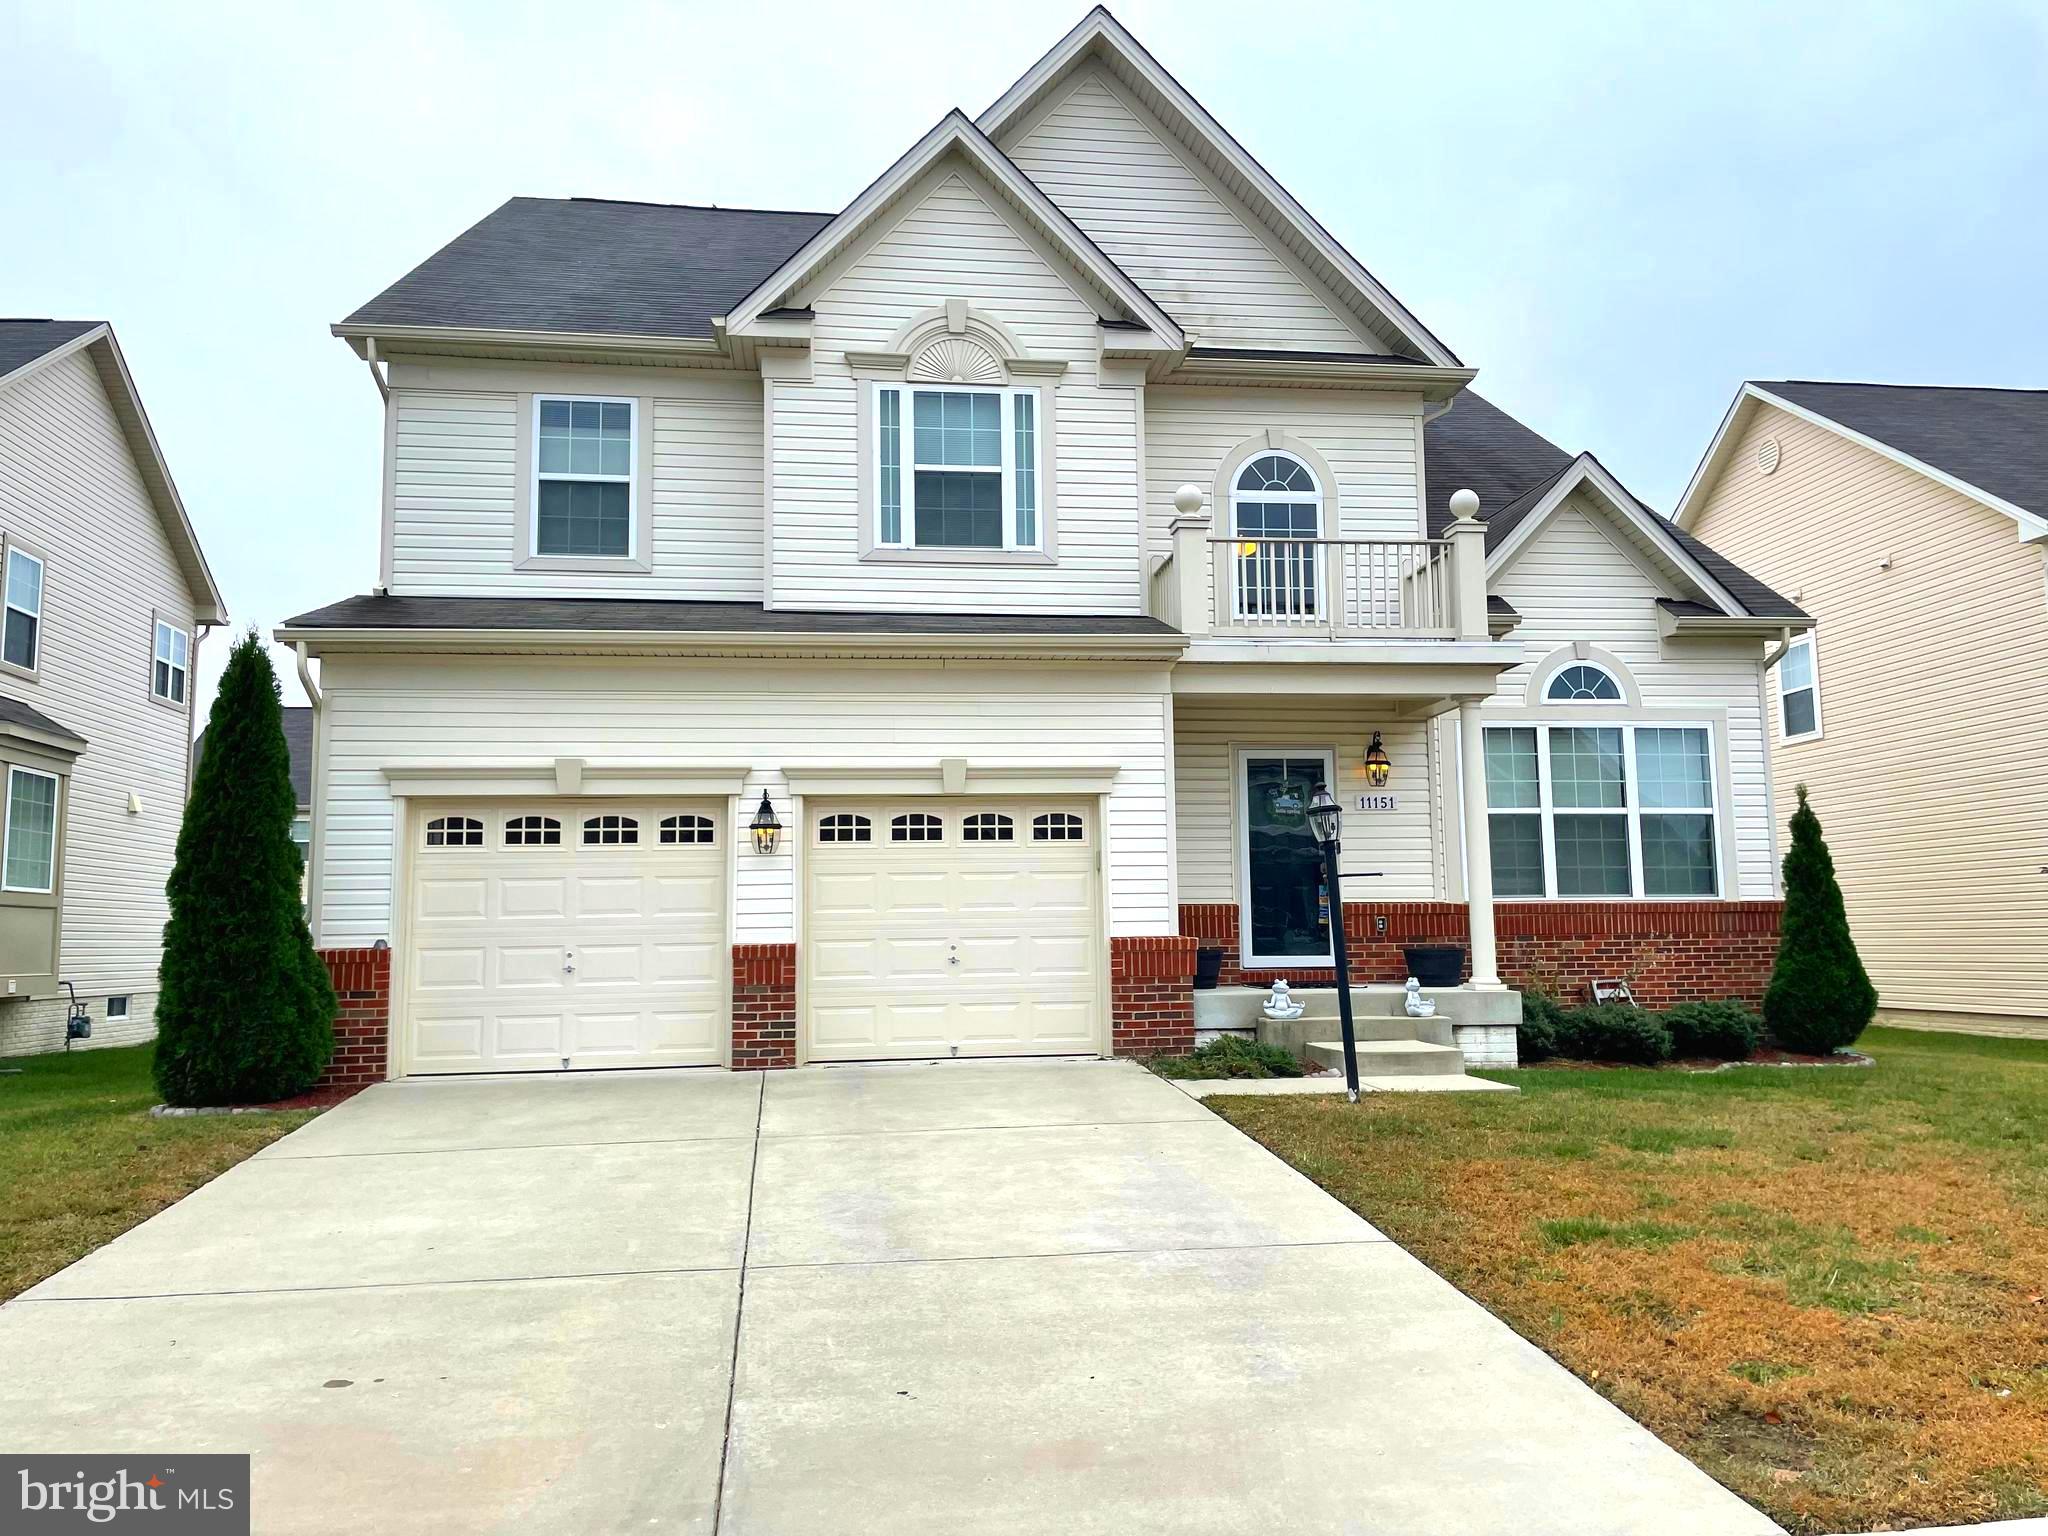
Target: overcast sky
(1615, 212)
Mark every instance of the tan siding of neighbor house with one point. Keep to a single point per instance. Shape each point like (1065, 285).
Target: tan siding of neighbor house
(1932, 649)
(70, 489)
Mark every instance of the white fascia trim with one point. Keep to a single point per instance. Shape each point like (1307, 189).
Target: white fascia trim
(1587, 470)
(540, 778)
(1669, 624)
(929, 778)
(2033, 526)
(623, 341)
(570, 642)
(1434, 383)
(1099, 27)
(209, 606)
(954, 131)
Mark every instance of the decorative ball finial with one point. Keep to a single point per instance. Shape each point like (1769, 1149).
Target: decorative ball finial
(1464, 504)
(1187, 501)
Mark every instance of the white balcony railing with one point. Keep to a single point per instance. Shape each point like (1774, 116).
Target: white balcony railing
(1340, 588)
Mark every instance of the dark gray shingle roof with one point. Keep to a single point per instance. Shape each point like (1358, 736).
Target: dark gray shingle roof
(14, 712)
(1477, 446)
(23, 341)
(298, 741)
(583, 264)
(682, 617)
(1997, 439)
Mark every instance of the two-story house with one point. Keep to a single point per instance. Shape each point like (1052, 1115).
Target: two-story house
(914, 631)
(106, 595)
(1912, 522)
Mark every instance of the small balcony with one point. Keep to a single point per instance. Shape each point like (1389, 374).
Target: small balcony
(1400, 618)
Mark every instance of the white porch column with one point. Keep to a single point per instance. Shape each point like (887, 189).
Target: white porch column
(1478, 850)
(1193, 610)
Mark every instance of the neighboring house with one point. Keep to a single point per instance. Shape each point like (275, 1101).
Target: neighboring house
(298, 741)
(1912, 522)
(1028, 539)
(106, 596)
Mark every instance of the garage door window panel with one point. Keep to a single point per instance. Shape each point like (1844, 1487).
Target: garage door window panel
(533, 832)
(917, 827)
(610, 832)
(455, 832)
(843, 827)
(1058, 827)
(678, 830)
(988, 827)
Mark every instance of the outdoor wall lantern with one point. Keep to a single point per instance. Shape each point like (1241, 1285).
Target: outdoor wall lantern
(767, 827)
(1326, 821)
(1378, 766)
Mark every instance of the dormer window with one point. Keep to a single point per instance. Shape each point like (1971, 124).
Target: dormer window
(585, 451)
(958, 468)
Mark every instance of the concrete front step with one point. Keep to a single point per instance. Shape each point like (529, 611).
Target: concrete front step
(1392, 1058)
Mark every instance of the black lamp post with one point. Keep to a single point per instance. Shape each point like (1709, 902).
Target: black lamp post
(1326, 821)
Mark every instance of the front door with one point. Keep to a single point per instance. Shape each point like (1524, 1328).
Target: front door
(1285, 917)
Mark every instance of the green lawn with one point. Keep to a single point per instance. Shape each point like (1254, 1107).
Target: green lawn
(1825, 1285)
(82, 1160)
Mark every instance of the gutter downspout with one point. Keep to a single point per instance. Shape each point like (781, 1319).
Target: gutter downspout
(383, 388)
(1784, 645)
(199, 633)
(316, 700)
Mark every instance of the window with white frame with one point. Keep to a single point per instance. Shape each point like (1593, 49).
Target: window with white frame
(1276, 515)
(1582, 683)
(585, 453)
(1601, 810)
(957, 468)
(21, 640)
(170, 675)
(29, 860)
(117, 1006)
(455, 832)
(1798, 691)
(610, 831)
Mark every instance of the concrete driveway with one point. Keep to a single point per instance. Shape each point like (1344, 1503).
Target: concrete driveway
(1001, 1297)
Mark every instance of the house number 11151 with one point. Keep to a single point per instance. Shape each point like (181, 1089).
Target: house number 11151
(1376, 802)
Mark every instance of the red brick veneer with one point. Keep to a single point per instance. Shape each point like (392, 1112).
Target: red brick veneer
(362, 1025)
(763, 1005)
(1670, 951)
(1151, 995)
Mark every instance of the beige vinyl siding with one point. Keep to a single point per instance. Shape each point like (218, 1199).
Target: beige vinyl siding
(1368, 440)
(1396, 844)
(70, 488)
(1580, 581)
(454, 492)
(1108, 163)
(1928, 774)
(953, 243)
(767, 716)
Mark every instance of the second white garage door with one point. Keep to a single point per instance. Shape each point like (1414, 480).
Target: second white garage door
(565, 934)
(938, 928)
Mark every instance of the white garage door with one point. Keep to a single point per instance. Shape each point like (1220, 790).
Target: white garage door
(566, 934)
(951, 928)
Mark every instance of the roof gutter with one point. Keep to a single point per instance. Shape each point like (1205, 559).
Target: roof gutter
(311, 641)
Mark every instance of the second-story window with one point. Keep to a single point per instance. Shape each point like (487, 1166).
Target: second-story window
(170, 670)
(21, 644)
(957, 468)
(583, 477)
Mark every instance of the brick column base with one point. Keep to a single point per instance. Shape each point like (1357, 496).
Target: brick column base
(1151, 995)
(763, 1006)
(362, 1025)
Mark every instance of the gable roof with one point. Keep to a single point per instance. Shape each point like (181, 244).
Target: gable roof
(589, 266)
(1101, 35)
(1518, 474)
(29, 346)
(1989, 444)
(954, 133)
(28, 341)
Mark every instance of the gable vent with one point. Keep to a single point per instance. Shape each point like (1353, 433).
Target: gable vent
(1767, 455)
(956, 360)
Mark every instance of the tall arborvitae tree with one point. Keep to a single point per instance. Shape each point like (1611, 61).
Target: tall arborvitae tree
(245, 1011)
(1820, 997)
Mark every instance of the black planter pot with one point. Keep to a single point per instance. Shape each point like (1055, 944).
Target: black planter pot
(1435, 965)
(1208, 966)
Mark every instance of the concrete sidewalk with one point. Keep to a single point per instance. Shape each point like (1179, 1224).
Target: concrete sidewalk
(1013, 1296)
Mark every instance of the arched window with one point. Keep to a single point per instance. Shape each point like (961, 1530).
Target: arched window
(1276, 512)
(686, 829)
(1581, 683)
(533, 832)
(1056, 827)
(455, 832)
(610, 831)
(916, 827)
(845, 827)
(988, 827)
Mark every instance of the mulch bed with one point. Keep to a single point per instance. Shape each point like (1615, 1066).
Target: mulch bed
(317, 1098)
